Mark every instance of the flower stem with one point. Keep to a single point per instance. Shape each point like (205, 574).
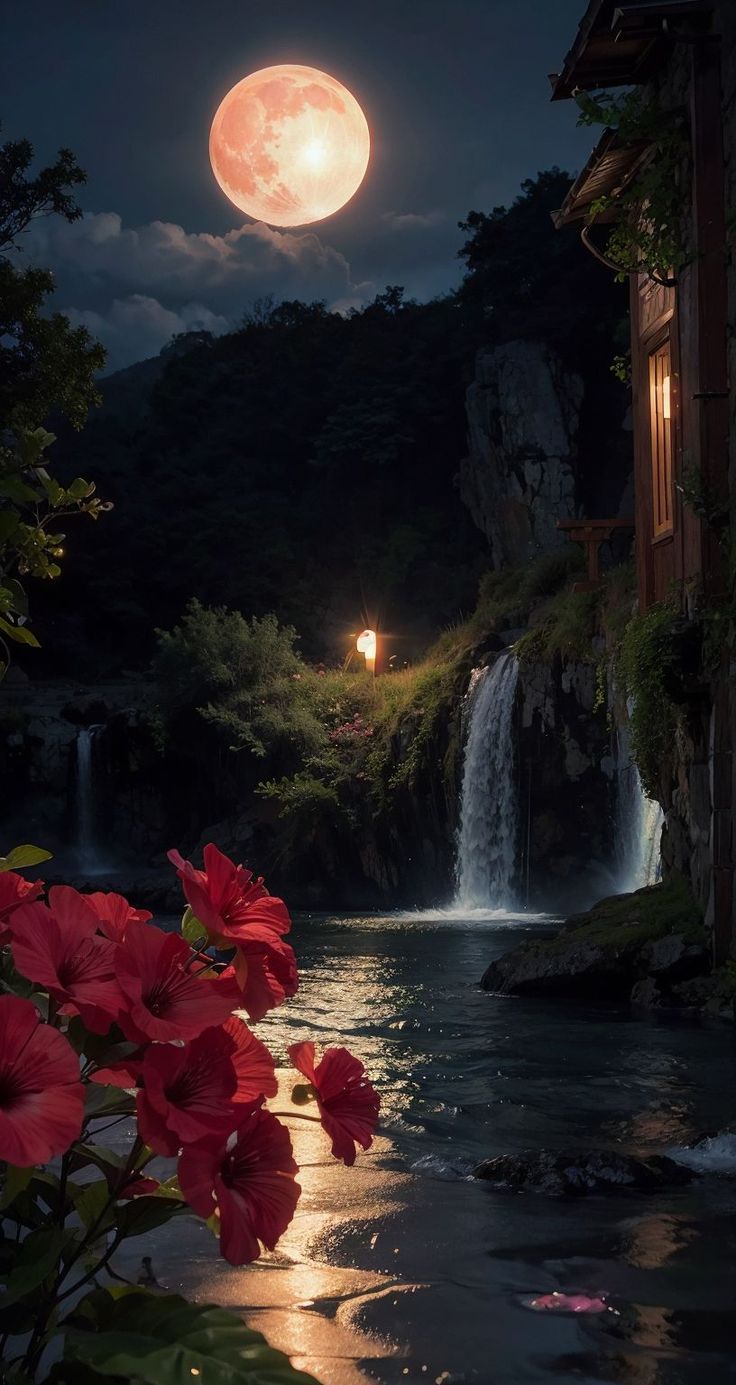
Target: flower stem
(297, 1115)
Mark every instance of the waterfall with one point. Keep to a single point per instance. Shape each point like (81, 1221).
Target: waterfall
(486, 854)
(87, 851)
(638, 824)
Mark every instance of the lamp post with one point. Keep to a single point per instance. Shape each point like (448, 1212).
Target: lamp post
(366, 643)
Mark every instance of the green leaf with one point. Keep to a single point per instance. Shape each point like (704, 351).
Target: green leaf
(20, 633)
(107, 1101)
(17, 595)
(9, 524)
(191, 929)
(16, 1375)
(14, 489)
(89, 1203)
(106, 1160)
(161, 1339)
(81, 489)
(32, 442)
(22, 856)
(38, 1255)
(16, 1181)
(54, 492)
(146, 1213)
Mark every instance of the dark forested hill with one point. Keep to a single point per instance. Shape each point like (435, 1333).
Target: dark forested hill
(306, 464)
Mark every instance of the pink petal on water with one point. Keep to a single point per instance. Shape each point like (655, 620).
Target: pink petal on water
(567, 1303)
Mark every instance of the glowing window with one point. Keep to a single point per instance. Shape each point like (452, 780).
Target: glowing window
(662, 450)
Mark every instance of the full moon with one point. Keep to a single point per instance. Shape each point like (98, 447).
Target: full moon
(289, 145)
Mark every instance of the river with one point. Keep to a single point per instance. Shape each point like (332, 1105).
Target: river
(403, 1268)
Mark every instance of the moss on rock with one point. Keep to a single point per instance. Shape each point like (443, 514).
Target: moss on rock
(602, 953)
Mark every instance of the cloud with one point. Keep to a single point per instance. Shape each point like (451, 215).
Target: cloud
(136, 327)
(131, 285)
(412, 221)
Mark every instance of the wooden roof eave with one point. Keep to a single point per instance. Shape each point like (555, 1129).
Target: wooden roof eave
(620, 43)
(609, 171)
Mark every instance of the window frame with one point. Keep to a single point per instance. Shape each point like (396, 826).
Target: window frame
(661, 435)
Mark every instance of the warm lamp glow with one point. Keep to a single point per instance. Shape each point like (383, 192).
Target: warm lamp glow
(366, 643)
(289, 145)
(666, 401)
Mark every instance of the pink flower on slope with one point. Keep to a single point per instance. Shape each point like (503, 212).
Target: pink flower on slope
(202, 1088)
(227, 899)
(348, 1104)
(14, 891)
(41, 1096)
(114, 913)
(57, 947)
(166, 995)
(248, 1181)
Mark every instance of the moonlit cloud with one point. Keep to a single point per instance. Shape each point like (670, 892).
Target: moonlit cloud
(139, 326)
(413, 221)
(135, 287)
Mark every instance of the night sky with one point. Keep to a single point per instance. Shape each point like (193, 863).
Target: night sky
(455, 92)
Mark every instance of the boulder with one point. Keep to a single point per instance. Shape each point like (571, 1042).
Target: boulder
(673, 958)
(564, 966)
(577, 1173)
(646, 995)
(713, 995)
(654, 932)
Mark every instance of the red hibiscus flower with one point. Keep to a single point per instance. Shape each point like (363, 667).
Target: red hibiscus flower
(114, 913)
(41, 1096)
(199, 1089)
(57, 947)
(248, 1181)
(265, 967)
(14, 891)
(167, 996)
(348, 1104)
(227, 899)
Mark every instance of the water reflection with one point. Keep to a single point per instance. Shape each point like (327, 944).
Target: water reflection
(404, 1268)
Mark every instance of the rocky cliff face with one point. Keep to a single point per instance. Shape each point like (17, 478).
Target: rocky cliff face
(519, 477)
(566, 786)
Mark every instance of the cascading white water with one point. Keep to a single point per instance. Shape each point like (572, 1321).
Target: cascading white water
(639, 823)
(87, 851)
(486, 855)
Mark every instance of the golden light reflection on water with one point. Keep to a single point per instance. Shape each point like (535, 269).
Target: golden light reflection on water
(360, 1003)
(346, 1289)
(304, 1296)
(650, 1242)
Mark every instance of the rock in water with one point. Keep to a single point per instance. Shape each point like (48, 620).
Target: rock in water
(654, 932)
(569, 967)
(577, 1173)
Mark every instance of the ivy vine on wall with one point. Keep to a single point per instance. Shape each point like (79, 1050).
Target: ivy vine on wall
(648, 234)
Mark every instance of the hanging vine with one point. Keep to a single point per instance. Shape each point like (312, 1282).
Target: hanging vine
(648, 234)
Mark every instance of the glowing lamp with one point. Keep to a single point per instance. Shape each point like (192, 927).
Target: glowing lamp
(666, 400)
(366, 644)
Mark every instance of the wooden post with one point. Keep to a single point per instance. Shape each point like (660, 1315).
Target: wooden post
(591, 533)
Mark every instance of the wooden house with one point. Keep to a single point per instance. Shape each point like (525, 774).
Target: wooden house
(682, 348)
